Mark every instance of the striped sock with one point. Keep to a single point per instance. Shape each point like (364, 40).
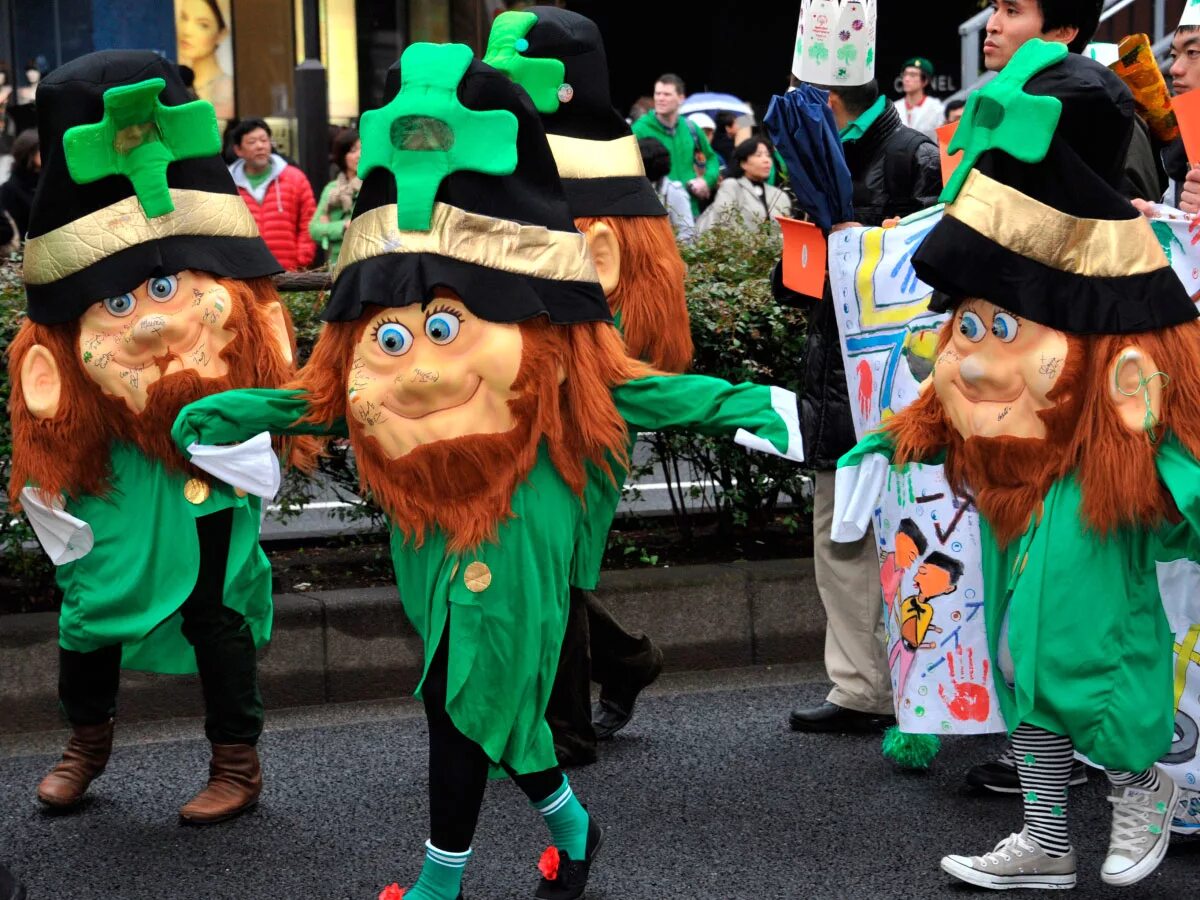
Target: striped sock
(441, 875)
(1147, 780)
(1044, 763)
(567, 820)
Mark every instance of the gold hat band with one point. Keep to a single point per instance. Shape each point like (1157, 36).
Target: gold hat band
(471, 238)
(581, 158)
(73, 247)
(1101, 248)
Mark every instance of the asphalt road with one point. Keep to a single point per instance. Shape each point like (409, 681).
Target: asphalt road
(705, 795)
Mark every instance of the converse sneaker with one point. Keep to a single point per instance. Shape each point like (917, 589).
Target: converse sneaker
(1000, 775)
(1140, 831)
(1017, 862)
(1186, 819)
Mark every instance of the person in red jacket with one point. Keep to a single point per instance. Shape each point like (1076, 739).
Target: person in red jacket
(277, 193)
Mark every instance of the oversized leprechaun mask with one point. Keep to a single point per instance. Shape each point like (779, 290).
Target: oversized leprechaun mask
(1086, 348)
(467, 330)
(558, 57)
(144, 272)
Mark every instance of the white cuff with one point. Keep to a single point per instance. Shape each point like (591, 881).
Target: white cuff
(856, 494)
(251, 465)
(786, 406)
(64, 537)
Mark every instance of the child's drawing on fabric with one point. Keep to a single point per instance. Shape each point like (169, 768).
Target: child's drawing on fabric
(1179, 584)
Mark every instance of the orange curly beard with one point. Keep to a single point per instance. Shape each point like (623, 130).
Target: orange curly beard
(464, 486)
(68, 453)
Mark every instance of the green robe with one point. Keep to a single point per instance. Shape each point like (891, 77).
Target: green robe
(145, 562)
(1089, 641)
(507, 635)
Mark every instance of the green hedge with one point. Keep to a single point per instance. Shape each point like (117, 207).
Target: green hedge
(740, 334)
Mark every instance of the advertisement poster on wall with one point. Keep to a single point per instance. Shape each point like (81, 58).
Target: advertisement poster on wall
(204, 42)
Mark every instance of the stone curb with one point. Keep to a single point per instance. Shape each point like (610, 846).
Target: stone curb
(350, 645)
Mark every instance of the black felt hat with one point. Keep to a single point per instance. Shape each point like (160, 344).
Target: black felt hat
(558, 57)
(460, 191)
(1035, 222)
(132, 186)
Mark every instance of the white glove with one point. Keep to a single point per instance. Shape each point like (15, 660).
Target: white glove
(64, 537)
(251, 465)
(856, 496)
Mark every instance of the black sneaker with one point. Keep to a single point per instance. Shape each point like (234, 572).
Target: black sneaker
(1000, 775)
(570, 875)
(613, 711)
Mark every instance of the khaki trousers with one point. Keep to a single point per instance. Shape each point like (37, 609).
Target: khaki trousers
(848, 582)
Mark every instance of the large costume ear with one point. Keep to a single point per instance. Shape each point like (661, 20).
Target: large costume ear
(277, 322)
(1135, 387)
(606, 253)
(41, 384)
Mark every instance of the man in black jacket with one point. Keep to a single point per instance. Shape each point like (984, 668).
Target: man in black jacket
(895, 171)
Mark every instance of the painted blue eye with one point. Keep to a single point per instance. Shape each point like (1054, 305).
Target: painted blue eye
(1005, 327)
(442, 328)
(162, 289)
(394, 339)
(121, 305)
(971, 327)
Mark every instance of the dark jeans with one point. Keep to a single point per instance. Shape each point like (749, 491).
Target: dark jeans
(595, 647)
(458, 767)
(88, 682)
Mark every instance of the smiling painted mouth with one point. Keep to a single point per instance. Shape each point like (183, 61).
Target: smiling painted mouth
(440, 409)
(1002, 401)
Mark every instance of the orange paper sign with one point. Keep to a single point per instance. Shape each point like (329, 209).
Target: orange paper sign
(1187, 111)
(949, 163)
(803, 257)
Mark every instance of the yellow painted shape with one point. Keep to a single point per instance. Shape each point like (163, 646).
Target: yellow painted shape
(1187, 654)
(869, 315)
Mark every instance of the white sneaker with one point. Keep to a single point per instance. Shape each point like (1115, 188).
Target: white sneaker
(1017, 862)
(1186, 819)
(1140, 831)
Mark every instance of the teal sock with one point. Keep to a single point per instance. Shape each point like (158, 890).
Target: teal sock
(567, 820)
(441, 875)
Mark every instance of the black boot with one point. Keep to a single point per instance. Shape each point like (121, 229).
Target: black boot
(10, 888)
(829, 717)
(570, 875)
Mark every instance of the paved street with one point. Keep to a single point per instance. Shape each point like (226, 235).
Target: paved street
(705, 795)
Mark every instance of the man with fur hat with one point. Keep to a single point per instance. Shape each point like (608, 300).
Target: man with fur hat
(147, 288)
(558, 57)
(1064, 399)
(470, 357)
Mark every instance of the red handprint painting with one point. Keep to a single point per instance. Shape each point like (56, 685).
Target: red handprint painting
(866, 387)
(971, 701)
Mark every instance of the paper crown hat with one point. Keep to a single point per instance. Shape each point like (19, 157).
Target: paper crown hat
(835, 42)
(1035, 222)
(557, 56)
(1191, 14)
(132, 186)
(460, 191)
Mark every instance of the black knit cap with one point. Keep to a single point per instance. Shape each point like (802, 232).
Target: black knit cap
(68, 214)
(504, 241)
(580, 106)
(1023, 249)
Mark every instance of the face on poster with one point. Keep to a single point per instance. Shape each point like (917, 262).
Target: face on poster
(204, 41)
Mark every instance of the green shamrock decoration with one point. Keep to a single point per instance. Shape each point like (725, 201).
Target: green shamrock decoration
(424, 134)
(540, 77)
(1001, 116)
(818, 51)
(847, 53)
(871, 52)
(138, 138)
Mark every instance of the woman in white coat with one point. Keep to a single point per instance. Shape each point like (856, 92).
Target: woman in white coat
(747, 199)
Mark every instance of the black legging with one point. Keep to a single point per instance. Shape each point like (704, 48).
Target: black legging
(88, 682)
(458, 767)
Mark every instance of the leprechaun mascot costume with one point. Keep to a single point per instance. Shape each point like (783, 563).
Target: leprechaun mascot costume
(1065, 400)
(471, 359)
(558, 57)
(147, 288)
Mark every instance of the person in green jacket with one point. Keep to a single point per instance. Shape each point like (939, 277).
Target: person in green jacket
(1065, 401)
(329, 222)
(694, 163)
(146, 284)
(477, 381)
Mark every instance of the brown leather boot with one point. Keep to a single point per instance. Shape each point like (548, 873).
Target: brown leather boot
(234, 783)
(84, 759)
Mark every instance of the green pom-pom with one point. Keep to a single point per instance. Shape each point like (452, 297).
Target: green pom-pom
(910, 751)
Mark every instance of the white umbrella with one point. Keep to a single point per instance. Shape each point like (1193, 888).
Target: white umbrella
(713, 103)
